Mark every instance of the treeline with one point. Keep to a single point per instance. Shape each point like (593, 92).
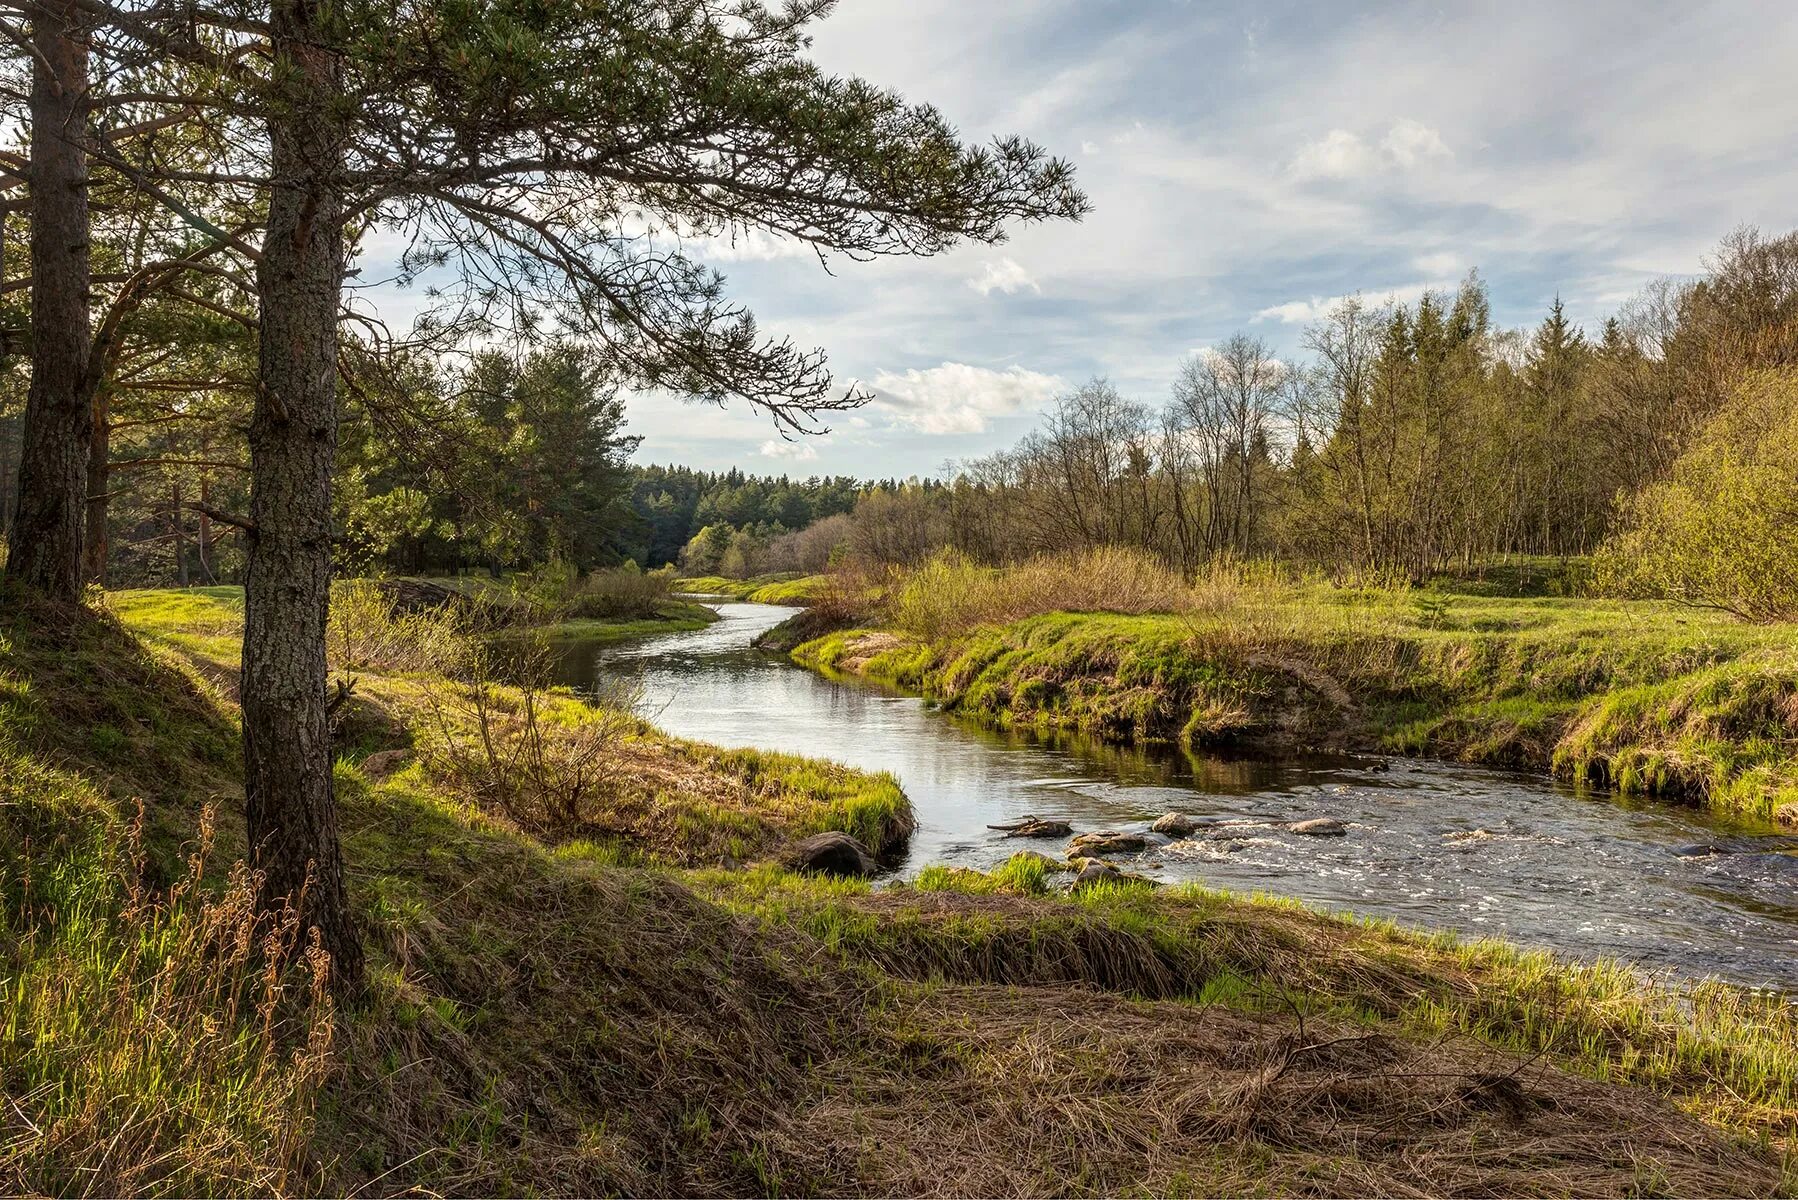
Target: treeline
(1410, 438)
(504, 461)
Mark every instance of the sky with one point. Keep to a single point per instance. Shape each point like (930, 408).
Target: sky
(1248, 163)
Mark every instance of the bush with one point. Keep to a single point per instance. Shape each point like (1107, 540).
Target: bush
(1719, 533)
(368, 631)
(517, 749)
(557, 592)
(949, 593)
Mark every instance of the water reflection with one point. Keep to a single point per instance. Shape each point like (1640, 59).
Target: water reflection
(1429, 844)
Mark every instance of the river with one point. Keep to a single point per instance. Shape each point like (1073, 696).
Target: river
(1430, 845)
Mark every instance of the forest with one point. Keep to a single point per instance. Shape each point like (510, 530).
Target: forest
(408, 788)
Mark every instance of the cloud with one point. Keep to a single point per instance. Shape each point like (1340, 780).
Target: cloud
(1002, 276)
(1409, 143)
(958, 398)
(1295, 312)
(797, 451)
(1303, 312)
(1344, 154)
(747, 245)
(1339, 155)
(1445, 262)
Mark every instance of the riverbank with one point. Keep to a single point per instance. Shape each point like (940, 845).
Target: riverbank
(541, 1018)
(763, 589)
(1646, 698)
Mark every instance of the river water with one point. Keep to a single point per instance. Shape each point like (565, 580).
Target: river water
(1430, 845)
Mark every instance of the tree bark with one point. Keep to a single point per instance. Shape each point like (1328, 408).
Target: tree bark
(291, 808)
(99, 483)
(45, 539)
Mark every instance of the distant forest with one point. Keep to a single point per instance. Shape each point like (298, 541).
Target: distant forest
(1409, 438)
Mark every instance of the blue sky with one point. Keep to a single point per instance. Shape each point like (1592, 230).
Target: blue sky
(1247, 164)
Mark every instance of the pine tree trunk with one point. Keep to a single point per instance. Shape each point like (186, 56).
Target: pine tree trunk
(291, 808)
(44, 542)
(180, 534)
(206, 571)
(99, 487)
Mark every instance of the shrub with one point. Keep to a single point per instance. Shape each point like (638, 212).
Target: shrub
(558, 592)
(367, 631)
(540, 760)
(1718, 533)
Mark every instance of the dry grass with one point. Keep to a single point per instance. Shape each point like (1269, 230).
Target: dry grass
(949, 594)
(154, 1042)
(1062, 1091)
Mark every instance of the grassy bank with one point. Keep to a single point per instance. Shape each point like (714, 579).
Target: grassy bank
(764, 589)
(544, 1019)
(1645, 697)
(613, 605)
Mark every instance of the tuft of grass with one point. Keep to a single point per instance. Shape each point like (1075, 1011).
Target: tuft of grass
(950, 595)
(807, 589)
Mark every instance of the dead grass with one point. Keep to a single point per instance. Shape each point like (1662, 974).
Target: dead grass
(1063, 1091)
(950, 594)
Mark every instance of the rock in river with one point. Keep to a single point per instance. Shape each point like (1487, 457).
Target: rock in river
(1093, 871)
(1106, 842)
(1318, 827)
(1177, 825)
(1034, 827)
(829, 853)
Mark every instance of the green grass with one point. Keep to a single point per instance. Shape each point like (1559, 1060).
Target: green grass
(763, 589)
(804, 590)
(1646, 697)
(208, 622)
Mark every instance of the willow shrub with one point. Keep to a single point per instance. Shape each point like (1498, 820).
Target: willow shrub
(1722, 530)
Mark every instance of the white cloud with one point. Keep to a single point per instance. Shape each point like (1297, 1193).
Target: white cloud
(1295, 312)
(958, 398)
(1002, 276)
(1344, 154)
(747, 245)
(1410, 142)
(1303, 312)
(796, 451)
(1338, 155)
(1444, 262)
